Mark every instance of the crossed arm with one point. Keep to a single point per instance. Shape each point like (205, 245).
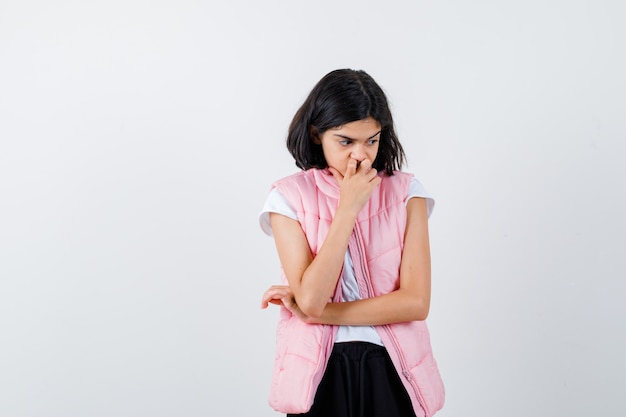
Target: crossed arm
(312, 280)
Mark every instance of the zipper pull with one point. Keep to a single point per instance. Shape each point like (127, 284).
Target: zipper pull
(406, 374)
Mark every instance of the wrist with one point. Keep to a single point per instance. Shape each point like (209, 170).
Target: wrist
(346, 211)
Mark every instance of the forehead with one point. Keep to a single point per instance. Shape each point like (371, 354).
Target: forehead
(359, 129)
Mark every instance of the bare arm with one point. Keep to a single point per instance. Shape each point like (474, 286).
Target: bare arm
(411, 301)
(313, 280)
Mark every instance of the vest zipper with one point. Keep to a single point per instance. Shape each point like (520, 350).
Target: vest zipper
(370, 292)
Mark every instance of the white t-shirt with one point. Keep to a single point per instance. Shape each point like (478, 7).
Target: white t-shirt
(277, 203)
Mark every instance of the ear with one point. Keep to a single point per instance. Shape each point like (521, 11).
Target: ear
(314, 135)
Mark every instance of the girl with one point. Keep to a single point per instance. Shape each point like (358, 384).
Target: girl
(351, 232)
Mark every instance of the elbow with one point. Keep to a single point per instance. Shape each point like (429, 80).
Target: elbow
(311, 309)
(421, 315)
(419, 309)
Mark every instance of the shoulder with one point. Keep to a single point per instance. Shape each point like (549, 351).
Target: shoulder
(297, 185)
(417, 189)
(275, 203)
(409, 187)
(301, 177)
(397, 183)
(398, 177)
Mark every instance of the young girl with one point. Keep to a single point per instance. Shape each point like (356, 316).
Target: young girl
(351, 232)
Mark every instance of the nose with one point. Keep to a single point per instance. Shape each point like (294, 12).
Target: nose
(358, 152)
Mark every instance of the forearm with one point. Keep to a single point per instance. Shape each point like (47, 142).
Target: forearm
(313, 279)
(395, 307)
(320, 278)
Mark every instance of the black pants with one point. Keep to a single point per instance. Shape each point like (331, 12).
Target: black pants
(360, 381)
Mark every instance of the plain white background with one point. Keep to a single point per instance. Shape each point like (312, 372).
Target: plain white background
(138, 140)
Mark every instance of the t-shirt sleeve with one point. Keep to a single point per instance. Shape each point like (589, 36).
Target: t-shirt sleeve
(416, 189)
(275, 203)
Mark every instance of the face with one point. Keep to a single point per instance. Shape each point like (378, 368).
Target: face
(357, 140)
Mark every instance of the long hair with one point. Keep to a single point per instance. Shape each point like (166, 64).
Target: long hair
(343, 96)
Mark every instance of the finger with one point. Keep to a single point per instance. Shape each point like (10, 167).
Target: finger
(275, 292)
(373, 174)
(351, 168)
(366, 165)
(265, 300)
(274, 300)
(268, 295)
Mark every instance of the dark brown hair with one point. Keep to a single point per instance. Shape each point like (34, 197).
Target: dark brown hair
(341, 97)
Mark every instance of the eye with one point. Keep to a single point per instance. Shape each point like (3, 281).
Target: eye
(372, 141)
(345, 142)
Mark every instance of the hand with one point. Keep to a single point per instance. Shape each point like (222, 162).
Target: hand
(357, 184)
(281, 295)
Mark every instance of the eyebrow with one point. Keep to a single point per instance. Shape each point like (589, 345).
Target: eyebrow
(349, 138)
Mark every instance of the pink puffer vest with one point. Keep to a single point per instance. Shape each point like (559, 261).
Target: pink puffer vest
(302, 350)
